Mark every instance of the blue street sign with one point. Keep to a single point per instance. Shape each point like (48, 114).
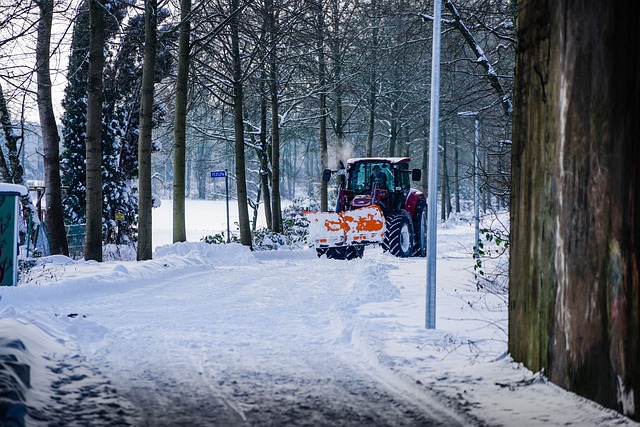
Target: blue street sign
(218, 174)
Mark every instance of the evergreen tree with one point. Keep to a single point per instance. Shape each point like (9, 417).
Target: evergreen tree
(120, 115)
(74, 121)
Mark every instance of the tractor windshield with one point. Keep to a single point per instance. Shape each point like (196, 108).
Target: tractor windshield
(362, 176)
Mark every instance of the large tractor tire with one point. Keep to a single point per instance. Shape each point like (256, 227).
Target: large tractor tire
(420, 229)
(398, 239)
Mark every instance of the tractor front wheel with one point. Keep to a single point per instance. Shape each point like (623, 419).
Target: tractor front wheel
(399, 235)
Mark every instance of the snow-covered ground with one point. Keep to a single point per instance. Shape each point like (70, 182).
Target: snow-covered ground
(218, 335)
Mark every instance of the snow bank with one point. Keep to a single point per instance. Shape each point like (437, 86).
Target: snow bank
(372, 285)
(233, 254)
(46, 382)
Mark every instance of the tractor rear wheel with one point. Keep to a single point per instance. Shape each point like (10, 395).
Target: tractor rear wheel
(399, 235)
(420, 228)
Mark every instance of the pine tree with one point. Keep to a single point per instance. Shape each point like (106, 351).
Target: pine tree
(120, 115)
(74, 121)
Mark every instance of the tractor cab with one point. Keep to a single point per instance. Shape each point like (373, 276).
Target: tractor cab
(376, 181)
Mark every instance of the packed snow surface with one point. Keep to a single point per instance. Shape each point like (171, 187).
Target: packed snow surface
(218, 335)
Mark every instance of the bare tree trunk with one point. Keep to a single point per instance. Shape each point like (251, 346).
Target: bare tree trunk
(407, 143)
(264, 150)
(145, 245)
(93, 240)
(50, 138)
(372, 121)
(188, 174)
(338, 89)
(265, 175)
(238, 124)
(10, 141)
(373, 76)
(322, 83)
(255, 206)
(445, 193)
(425, 160)
(574, 297)
(201, 171)
(486, 190)
(276, 210)
(393, 136)
(180, 125)
(456, 176)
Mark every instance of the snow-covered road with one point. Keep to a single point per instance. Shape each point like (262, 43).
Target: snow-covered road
(265, 341)
(218, 335)
(257, 348)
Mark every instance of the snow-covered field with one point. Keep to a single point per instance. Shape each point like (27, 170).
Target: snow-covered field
(218, 335)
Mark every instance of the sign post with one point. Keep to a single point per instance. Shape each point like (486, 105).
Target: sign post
(225, 175)
(9, 216)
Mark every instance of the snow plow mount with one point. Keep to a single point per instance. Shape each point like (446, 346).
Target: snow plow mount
(361, 226)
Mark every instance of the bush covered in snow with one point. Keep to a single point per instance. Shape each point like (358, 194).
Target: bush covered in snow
(295, 227)
(219, 238)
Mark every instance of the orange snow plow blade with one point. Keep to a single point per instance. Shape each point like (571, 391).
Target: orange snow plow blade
(359, 226)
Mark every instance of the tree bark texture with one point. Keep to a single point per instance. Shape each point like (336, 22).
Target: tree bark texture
(50, 139)
(445, 190)
(323, 113)
(276, 210)
(145, 246)
(264, 150)
(6, 174)
(93, 240)
(373, 82)
(574, 304)
(180, 125)
(456, 175)
(338, 88)
(238, 124)
(265, 174)
(393, 129)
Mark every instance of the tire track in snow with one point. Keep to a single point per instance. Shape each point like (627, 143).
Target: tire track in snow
(251, 345)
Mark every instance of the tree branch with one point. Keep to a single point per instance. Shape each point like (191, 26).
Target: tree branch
(481, 58)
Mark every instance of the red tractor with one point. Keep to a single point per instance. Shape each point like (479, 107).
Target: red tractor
(375, 205)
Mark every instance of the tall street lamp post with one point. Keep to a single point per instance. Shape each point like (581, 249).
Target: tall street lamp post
(430, 312)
